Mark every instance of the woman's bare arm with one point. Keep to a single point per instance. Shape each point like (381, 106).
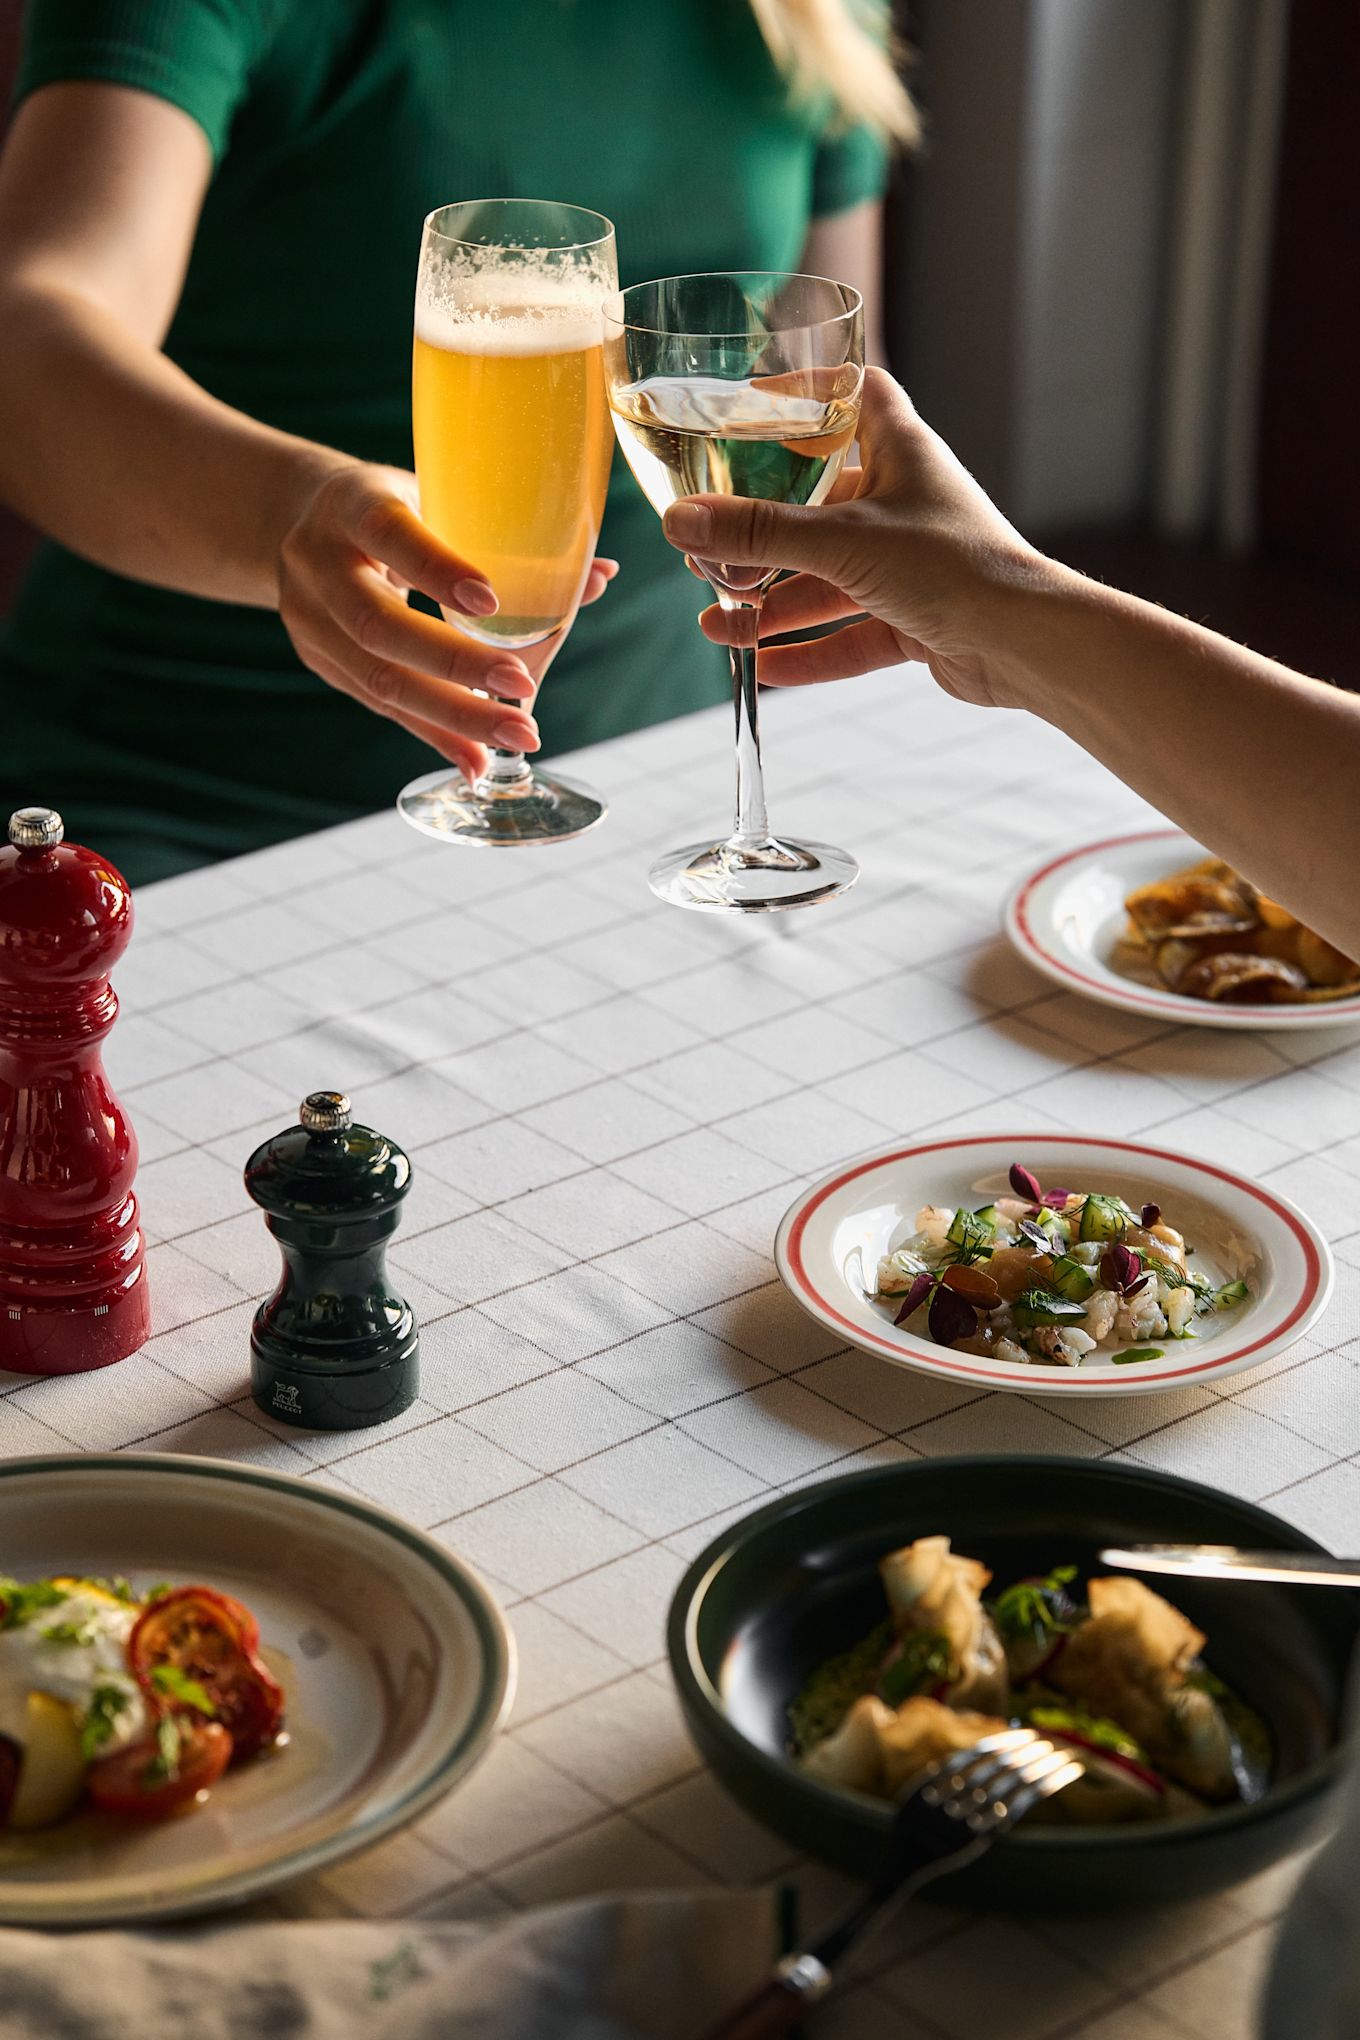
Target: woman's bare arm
(103, 441)
(848, 246)
(1260, 763)
(108, 446)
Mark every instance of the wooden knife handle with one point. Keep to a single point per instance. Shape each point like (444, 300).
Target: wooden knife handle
(777, 2005)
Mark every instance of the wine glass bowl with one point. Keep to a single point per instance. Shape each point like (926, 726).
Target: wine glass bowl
(743, 384)
(512, 451)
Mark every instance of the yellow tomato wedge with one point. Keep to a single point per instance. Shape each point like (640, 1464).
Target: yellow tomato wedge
(71, 1583)
(52, 1769)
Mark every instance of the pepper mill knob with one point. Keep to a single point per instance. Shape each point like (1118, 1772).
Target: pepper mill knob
(335, 1347)
(326, 1112)
(36, 828)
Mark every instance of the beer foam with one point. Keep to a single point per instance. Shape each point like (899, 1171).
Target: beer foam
(510, 313)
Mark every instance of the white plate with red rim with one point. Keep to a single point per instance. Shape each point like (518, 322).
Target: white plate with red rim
(831, 1240)
(1066, 919)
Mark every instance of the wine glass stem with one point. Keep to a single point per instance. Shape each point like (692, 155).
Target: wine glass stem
(753, 826)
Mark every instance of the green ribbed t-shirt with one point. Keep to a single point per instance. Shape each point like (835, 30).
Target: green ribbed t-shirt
(169, 729)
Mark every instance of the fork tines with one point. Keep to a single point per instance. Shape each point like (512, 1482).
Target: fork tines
(999, 1779)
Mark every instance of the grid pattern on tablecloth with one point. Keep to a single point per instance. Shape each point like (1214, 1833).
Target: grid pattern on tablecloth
(609, 1105)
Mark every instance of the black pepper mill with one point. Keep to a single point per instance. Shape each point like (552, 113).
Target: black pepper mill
(334, 1348)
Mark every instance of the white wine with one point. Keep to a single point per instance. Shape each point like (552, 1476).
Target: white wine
(777, 437)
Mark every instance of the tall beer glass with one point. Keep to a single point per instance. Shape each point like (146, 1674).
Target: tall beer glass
(513, 445)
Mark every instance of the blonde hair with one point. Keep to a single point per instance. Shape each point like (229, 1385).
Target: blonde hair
(825, 46)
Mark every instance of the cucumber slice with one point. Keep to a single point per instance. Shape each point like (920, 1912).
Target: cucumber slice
(1103, 1218)
(1231, 1293)
(1072, 1279)
(989, 1215)
(970, 1230)
(1045, 1307)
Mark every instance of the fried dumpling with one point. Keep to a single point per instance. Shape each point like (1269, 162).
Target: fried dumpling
(930, 1588)
(1235, 979)
(1130, 1662)
(921, 1732)
(878, 1749)
(1206, 900)
(852, 1755)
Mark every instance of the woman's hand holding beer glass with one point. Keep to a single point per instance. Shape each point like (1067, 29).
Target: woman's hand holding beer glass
(345, 567)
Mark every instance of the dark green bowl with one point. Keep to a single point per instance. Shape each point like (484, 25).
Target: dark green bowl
(775, 1595)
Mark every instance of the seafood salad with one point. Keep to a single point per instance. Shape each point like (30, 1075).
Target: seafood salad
(1114, 1672)
(1207, 933)
(1051, 1278)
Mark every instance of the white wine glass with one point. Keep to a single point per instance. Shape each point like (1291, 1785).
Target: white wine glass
(742, 384)
(512, 447)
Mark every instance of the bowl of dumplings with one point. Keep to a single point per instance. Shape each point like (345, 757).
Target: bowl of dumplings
(832, 1645)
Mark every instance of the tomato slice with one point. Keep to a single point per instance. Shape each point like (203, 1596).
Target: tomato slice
(210, 1603)
(212, 1639)
(136, 1784)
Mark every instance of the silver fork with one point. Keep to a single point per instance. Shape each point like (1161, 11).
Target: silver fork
(953, 1812)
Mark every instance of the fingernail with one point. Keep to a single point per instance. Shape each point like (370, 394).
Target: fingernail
(688, 524)
(515, 736)
(512, 680)
(476, 598)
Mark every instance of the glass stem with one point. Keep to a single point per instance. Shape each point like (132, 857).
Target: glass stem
(752, 828)
(506, 768)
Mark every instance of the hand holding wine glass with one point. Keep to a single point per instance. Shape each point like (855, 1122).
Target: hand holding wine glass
(907, 553)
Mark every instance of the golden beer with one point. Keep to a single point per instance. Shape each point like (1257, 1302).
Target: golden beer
(513, 444)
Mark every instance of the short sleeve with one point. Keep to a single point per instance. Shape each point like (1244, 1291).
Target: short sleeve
(195, 53)
(850, 167)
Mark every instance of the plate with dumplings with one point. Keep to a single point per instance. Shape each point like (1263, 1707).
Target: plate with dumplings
(1154, 924)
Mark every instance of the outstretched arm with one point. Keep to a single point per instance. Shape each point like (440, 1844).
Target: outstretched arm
(1260, 763)
(108, 446)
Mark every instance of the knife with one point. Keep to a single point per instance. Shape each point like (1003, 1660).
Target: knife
(1226, 1562)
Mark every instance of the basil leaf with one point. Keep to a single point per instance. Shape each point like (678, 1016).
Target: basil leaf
(177, 1685)
(106, 1703)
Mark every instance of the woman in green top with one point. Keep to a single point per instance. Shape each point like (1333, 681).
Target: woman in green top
(209, 212)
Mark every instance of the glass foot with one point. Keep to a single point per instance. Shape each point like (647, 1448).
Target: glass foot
(540, 808)
(759, 878)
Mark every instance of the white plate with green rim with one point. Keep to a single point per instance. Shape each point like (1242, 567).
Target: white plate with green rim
(399, 1668)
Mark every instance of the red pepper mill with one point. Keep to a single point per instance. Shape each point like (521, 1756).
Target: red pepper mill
(72, 1274)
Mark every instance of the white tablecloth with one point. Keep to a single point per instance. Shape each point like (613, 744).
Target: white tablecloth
(609, 1104)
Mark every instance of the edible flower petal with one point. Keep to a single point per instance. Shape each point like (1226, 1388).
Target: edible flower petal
(1055, 1199)
(1036, 1235)
(1151, 1215)
(1025, 1184)
(951, 1317)
(915, 1297)
(1121, 1268)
